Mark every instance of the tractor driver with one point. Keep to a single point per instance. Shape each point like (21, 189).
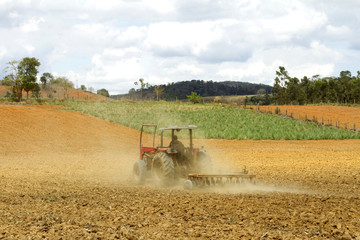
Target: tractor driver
(177, 145)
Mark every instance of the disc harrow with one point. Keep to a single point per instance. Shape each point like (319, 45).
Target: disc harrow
(208, 180)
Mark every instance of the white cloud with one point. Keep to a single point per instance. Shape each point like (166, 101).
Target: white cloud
(298, 60)
(312, 69)
(298, 19)
(106, 5)
(113, 65)
(250, 69)
(322, 53)
(132, 35)
(162, 6)
(189, 68)
(177, 39)
(31, 24)
(29, 48)
(338, 31)
(14, 15)
(2, 52)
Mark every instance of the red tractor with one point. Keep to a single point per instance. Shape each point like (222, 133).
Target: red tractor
(166, 163)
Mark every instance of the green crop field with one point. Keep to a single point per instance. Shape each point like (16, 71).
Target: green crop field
(214, 121)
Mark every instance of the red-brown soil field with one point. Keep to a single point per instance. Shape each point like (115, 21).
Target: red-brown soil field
(65, 175)
(330, 115)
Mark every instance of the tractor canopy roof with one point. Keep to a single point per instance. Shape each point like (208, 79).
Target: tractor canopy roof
(178, 127)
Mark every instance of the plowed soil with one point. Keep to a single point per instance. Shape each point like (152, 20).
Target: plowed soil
(341, 116)
(65, 175)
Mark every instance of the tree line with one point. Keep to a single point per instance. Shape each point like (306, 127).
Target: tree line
(344, 89)
(22, 76)
(181, 90)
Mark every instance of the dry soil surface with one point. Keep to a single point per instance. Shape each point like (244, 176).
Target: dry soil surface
(65, 175)
(340, 116)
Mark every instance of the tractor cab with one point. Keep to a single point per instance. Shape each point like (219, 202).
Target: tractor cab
(169, 141)
(175, 146)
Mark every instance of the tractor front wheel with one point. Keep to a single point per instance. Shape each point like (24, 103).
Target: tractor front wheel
(139, 172)
(163, 170)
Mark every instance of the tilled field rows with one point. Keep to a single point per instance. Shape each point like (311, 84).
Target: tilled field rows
(56, 209)
(66, 175)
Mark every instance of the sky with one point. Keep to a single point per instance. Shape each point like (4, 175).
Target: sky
(113, 43)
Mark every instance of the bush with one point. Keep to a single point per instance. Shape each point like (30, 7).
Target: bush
(194, 97)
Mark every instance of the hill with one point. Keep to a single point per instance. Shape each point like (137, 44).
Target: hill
(180, 90)
(57, 93)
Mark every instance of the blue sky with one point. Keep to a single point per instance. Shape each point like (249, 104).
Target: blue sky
(112, 43)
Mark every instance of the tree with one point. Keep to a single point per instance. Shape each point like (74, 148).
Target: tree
(356, 89)
(142, 86)
(17, 86)
(261, 92)
(14, 79)
(28, 68)
(345, 89)
(36, 91)
(342, 89)
(292, 91)
(103, 92)
(194, 97)
(278, 91)
(64, 83)
(132, 93)
(7, 81)
(12, 67)
(305, 90)
(317, 91)
(261, 98)
(332, 94)
(158, 90)
(280, 84)
(83, 88)
(29, 86)
(46, 78)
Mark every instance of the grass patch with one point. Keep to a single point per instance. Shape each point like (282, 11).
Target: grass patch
(214, 121)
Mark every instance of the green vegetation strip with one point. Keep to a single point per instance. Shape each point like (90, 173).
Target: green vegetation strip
(214, 121)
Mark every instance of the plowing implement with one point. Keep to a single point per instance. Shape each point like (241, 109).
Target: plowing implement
(196, 180)
(222, 180)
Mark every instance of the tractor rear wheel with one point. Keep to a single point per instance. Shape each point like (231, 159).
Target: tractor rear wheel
(163, 170)
(203, 163)
(139, 172)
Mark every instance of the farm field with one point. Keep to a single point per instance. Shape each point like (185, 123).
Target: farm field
(239, 99)
(66, 175)
(215, 121)
(331, 115)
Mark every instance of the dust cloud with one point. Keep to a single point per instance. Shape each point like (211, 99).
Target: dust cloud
(255, 188)
(66, 145)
